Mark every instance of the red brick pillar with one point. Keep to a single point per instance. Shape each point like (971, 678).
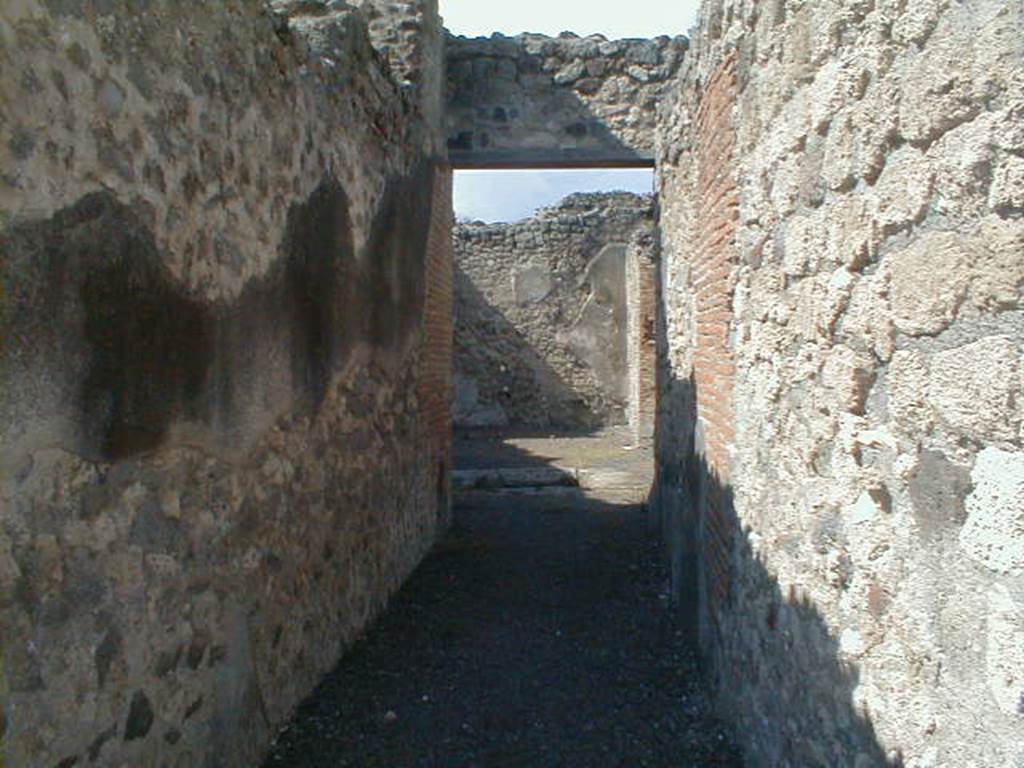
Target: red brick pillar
(434, 384)
(713, 261)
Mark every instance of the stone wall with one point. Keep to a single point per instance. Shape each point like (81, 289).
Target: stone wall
(840, 444)
(410, 37)
(541, 314)
(224, 376)
(536, 101)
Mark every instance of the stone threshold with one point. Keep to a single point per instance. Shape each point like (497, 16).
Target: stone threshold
(568, 482)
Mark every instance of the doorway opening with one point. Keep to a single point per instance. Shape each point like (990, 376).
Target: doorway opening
(554, 325)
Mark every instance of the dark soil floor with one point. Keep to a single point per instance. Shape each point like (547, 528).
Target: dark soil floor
(538, 633)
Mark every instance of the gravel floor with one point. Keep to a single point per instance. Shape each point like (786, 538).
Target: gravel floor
(536, 634)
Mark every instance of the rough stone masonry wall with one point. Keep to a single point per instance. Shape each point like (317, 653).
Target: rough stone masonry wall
(535, 100)
(223, 371)
(841, 426)
(541, 314)
(410, 36)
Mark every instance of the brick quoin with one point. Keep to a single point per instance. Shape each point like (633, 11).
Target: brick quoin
(434, 387)
(715, 254)
(642, 332)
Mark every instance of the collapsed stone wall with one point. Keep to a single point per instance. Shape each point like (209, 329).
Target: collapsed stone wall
(533, 100)
(541, 314)
(225, 313)
(841, 422)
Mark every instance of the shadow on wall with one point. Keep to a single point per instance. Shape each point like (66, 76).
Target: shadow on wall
(506, 371)
(755, 638)
(93, 298)
(107, 357)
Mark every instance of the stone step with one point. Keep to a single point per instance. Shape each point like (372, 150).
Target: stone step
(616, 486)
(599, 479)
(513, 477)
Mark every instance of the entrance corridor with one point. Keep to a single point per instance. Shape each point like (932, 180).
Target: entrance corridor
(537, 633)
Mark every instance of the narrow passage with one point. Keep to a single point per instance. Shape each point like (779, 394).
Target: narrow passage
(537, 633)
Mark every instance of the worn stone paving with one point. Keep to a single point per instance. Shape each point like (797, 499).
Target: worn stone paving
(611, 448)
(538, 633)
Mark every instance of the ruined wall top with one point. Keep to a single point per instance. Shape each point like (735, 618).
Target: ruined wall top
(533, 100)
(577, 204)
(410, 36)
(407, 36)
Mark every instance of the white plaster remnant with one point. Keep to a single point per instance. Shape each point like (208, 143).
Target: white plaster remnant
(851, 642)
(1004, 657)
(532, 284)
(864, 510)
(994, 532)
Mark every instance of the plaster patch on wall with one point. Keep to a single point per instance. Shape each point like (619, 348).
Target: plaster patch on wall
(598, 334)
(532, 284)
(994, 532)
(1004, 658)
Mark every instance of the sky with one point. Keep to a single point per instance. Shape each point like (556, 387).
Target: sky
(636, 18)
(513, 195)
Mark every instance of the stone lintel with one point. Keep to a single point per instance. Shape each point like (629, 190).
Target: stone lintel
(549, 158)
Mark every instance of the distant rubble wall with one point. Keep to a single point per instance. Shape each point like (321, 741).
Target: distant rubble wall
(541, 314)
(533, 100)
(841, 419)
(224, 370)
